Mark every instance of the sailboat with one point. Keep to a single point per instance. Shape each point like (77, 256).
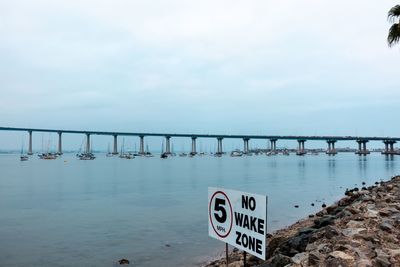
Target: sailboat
(87, 155)
(236, 153)
(47, 155)
(135, 153)
(183, 154)
(23, 157)
(109, 154)
(148, 154)
(122, 154)
(164, 155)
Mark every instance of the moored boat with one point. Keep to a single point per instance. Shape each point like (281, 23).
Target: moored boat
(47, 155)
(86, 156)
(236, 153)
(23, 157)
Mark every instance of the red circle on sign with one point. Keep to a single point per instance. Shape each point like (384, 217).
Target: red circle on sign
(209, 212)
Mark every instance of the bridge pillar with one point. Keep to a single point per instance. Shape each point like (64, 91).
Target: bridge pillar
(273, 145)
(219, 147)
(301, 150)
(30, 143)
(87, 143)
(141, 145)
(115, 147)
(59, 152)
(331, 147)
(389, 147)
(193, 152)
(246, 145)
(362, 147)
(386, 151)
(167, 145)
(359, 145)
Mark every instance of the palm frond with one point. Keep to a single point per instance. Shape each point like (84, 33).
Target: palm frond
(394, 34)
(394, 13)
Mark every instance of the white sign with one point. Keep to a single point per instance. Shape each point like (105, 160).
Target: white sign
(239, 219)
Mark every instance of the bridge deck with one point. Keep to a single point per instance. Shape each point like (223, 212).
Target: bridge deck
(279, 137)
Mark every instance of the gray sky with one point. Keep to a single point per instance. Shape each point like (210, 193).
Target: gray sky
(237, 67)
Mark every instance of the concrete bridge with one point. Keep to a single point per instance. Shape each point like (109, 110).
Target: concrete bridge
(331, 140)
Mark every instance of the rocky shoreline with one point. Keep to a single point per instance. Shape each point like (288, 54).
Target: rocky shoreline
(361, 229)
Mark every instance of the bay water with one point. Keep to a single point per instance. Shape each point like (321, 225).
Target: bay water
(153, 211)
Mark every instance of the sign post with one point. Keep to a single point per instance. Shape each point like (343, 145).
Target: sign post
(226, 254)
(239, 219)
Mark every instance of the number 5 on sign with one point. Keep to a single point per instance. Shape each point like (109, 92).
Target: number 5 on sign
(221, 214)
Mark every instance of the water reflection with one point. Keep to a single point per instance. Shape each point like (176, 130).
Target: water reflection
(272, 163)
(389, 163)
(331, 167)
(193, 173)
(362, 165)
(246, 168)
(301, 166)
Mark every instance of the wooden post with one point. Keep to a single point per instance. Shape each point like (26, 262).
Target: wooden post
(226, 252)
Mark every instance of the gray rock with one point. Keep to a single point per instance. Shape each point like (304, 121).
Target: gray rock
(331, 209)
(367, 237)
(307, 230)
(389, 187)
(395, 206)
(296, 244)
(371, 213)
(382, 261)
(352, 210)
(386, 227)
(344, 201)
(334, 262)
(311, 246)
(337, 258)
(324, 221)
(344, 213)
(324, 248)
(384, 212)
(366, 198)
(280, 260)
(331, 231)
(355, 224)
(274, 243)
(338, 210)
(314, 258)
(349, 232)
(321, 213)
(300, 258)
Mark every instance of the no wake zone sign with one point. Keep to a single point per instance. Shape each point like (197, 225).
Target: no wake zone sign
(239, 219)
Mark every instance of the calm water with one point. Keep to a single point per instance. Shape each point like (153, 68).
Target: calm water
(67, 212)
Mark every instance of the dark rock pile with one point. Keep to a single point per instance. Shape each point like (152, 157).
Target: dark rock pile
(362, 229)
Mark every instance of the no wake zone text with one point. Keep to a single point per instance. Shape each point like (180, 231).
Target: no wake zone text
(251, 223)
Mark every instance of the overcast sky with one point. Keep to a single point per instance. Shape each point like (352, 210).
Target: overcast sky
(234, 67)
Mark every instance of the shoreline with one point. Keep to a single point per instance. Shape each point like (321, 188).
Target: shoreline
(362, 228)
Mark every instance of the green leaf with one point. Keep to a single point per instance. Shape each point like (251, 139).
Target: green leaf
(394, 34)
